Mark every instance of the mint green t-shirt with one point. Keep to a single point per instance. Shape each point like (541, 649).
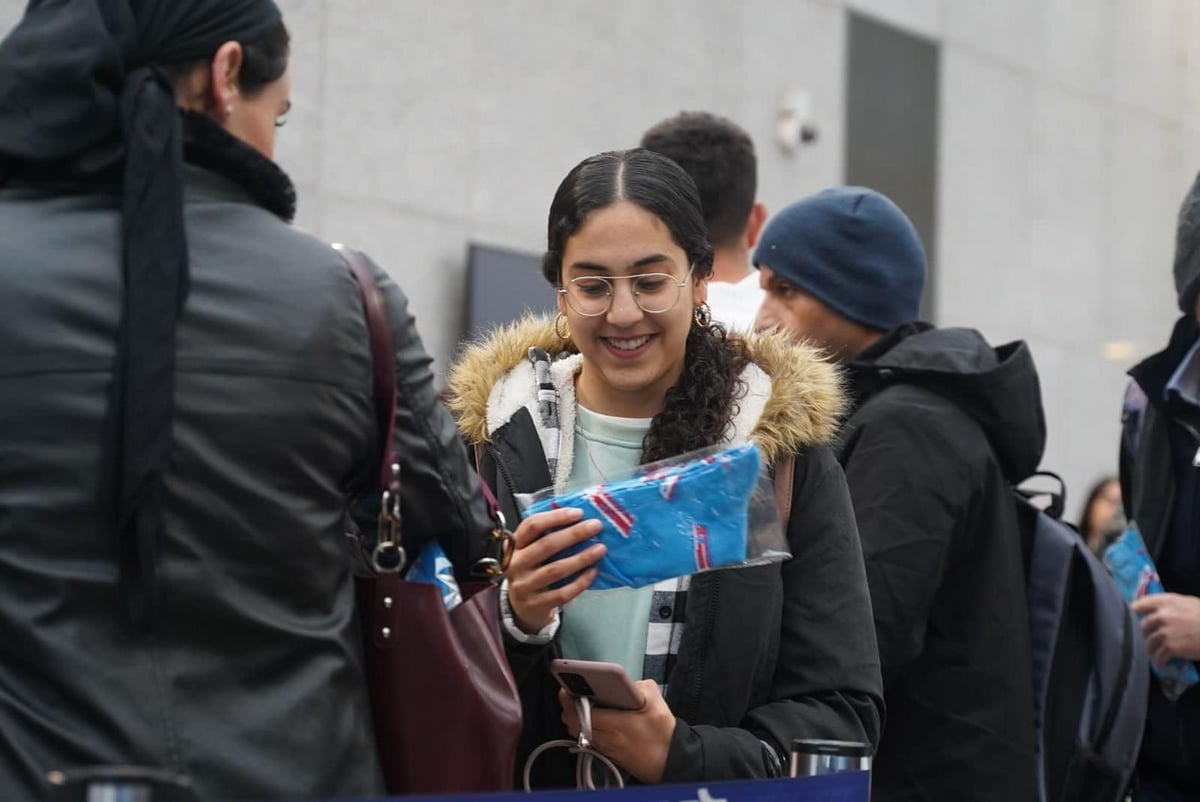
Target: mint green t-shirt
(607, 625)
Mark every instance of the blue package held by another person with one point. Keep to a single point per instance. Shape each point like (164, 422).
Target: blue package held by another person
(1131, 567)
(433, 567)
(669, 520)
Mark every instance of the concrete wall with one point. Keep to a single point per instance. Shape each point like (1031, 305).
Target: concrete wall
(1070, 133)
(1070, 130)
(419, 126)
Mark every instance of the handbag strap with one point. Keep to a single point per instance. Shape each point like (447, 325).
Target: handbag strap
(383, 372)
(389, 555)
(383, 365)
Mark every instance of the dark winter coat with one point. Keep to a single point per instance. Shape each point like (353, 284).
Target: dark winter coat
(769, 653)
(941, 425)
(1147, 477)
(1161, 489)
(252, 682)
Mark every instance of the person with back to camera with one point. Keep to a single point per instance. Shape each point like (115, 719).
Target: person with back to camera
(185, 416)
(633, 371)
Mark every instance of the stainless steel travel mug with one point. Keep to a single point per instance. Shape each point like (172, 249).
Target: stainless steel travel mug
(810, 757)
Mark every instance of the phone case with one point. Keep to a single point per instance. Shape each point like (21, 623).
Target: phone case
(605, 684)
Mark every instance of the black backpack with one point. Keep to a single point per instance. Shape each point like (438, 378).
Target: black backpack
(1091, 672)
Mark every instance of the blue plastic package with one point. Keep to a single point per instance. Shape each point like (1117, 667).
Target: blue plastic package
(671, 519)
(1131, 567)
(433, 567)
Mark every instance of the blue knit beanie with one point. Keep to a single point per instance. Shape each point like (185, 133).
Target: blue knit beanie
(852, 249)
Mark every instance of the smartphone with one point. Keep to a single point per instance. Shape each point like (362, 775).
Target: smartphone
(605, 684)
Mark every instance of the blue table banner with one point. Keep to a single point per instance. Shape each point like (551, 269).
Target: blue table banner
(847, 787)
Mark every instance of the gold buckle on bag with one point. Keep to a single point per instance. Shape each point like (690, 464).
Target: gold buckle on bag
(494, 567)
(389, 556)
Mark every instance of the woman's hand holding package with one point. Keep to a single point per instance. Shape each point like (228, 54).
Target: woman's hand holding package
(1171, 625)
(534, 569)
(636, 740)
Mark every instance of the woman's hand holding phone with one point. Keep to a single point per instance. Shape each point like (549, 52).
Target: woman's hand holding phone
(534, 569)
(636, 740)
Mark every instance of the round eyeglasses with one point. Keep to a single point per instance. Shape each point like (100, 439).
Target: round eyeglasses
(654, 293)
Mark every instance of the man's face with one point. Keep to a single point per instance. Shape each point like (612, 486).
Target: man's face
(791, 309)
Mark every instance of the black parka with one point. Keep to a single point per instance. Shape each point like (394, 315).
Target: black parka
(1158, 502)
(941, 424)
(769, 653)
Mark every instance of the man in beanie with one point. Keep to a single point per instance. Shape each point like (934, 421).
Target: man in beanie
(719, 157)
(939, 425)
(1160, 481)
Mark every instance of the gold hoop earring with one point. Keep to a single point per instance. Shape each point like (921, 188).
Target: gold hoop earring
(560, 327)
(703, 315)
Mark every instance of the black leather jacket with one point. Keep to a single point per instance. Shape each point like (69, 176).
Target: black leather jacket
(253, 683)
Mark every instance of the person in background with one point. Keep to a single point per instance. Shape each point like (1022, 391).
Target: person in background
(185, 416)
(719, 156)
(1102, 519)
(940, 423)
(1160, 482)
(633, 371)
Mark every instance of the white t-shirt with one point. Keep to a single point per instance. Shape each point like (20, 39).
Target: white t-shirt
(735, 304)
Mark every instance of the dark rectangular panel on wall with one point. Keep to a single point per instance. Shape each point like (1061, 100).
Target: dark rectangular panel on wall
(502, 286)
(892, 125)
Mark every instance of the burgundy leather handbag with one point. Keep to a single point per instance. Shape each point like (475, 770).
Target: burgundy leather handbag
(446, 709)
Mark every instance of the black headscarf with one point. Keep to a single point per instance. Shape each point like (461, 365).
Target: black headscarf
(83, 94)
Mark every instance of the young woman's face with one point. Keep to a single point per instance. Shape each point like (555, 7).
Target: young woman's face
(630, 357)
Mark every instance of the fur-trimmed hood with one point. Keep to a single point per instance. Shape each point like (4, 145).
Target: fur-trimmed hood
(793, 396)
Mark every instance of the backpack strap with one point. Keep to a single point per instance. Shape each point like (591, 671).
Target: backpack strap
(785, 471)
(1056, 499)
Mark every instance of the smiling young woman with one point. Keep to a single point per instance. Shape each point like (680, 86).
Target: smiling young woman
(633, 371)
(631, 357)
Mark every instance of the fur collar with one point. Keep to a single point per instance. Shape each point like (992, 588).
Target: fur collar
(208, 145)
(794, 397)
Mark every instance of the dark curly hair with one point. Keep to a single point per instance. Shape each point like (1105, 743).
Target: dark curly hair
(719, 156)
(697, 410)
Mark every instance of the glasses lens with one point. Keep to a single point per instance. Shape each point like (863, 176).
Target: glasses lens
(589, 296)
(656, 292)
